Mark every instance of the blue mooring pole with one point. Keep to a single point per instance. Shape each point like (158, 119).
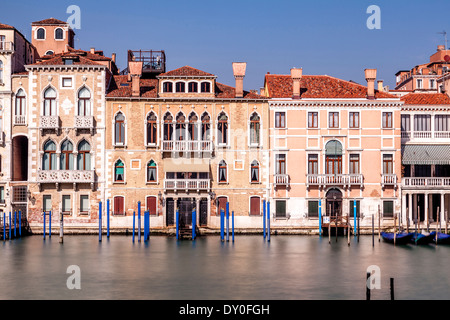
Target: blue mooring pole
(20, 223)
(100, 221)
(10, 225)
(320, 217)
(354, 217)
(147, 228)
(194, 221)
(4, 227)
(268, 220)
(134, 223)
(178, 224)
(232, 225)
(50, 224)
(222, 214)
(44, 225)
(264, 219)
(15, 223)
(228, 221)
(107, 218)
(139, 221)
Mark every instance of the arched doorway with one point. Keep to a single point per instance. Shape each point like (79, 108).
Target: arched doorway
(20, 158)
(334, 203)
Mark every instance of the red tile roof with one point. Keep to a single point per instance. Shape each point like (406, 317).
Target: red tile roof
(187, 71)
(426, 98)
(50, 21)
(5, 26)
(321, 86)
(57, 60)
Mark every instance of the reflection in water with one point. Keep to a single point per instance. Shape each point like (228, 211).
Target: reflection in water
(289, 267)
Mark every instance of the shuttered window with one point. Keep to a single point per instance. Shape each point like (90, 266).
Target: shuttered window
(221, 204)
(151, 205)
(119, 208)
(255, 203)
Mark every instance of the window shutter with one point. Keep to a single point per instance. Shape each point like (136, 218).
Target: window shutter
(151, 205)
(255, 206)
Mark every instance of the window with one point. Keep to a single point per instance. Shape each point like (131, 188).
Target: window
(254, 171)
(222, 171)
(2, 42)
(313, 164)
(2, 195)
(119, 206)
(387, 120)
(313, 119)
(432, 84)
(255, 127)
(119, 169)
(205, 87)
(152, 131)
(333, 120)
(419, 83)
(40, 34)
(20, 103)
(333, 157)
(422, 122)
(59, 34)
(405, 123)
(120, 128)
(1, 71)
(151, 206)
(168, 127)
(351, 209)
(180, 126)
(193, 87)
(84, 156)
(353, 120)
(66, 204)
(442, 122)
(255, 206)
(388, 209)
(206, 127)
(354, 164)
(280, 119)
(68, 62)
(46, 203)
(49, 157)
(222, 127)
(167, 87)
(84, 204)
(313, 208)
(66, 158)
(151, 171)
(221, 204)
(280, 209)
(50, 102)
(280, 164)
(84, 102)
(193, 126)
(67, 83)
(49, 53)
(387, 164)
(180, 87)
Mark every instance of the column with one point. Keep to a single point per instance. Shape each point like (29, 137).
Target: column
(414, 211)
(410, 208)
(197, 211)
(442, 208)
(404, 217)
(426, 209)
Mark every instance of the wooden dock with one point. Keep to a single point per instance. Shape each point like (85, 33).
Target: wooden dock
(336, 224)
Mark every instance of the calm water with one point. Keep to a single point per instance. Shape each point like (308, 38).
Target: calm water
(288, 267)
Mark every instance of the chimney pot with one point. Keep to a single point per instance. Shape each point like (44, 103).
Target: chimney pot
(440, 48)
(380, 85)
(296, 75)
(92, 50)
(371, 75)
(113, 57)
(135, 72)
(239, 74)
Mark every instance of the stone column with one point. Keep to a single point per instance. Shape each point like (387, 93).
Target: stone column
(404, 215)
(442, 208)
(426, 209)
(410, 208)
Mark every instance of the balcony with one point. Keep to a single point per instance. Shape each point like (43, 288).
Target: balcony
(388, 179)
(19, 120)
(281, 179)
(426, 183)
(187, 184)
(324, 180)
(66, 176)
(84, 122)
(6, 46)
(424, 135)
(49, 122)
(187, 146)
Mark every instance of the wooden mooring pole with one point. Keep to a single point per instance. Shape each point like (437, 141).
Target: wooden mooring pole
(61, 228)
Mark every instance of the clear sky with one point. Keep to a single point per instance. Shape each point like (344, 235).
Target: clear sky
(322, 36)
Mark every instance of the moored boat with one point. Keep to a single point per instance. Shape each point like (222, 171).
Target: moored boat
(442, 238)
(397, 238)
(420, 238)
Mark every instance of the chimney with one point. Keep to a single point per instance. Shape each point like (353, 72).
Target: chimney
(239, 74)
(440, 48)
(113, 57)
(380, 85)
(135, 72)
(93, 50)
(296, 75)
(371, 75)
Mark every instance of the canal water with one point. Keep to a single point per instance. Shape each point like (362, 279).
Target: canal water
(286, 268)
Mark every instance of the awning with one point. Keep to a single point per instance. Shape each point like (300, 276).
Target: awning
(425, 154)
(186, 165)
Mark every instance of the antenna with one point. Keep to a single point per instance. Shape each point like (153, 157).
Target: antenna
(445, 38)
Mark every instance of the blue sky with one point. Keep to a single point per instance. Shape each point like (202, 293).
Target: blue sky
(321, 36)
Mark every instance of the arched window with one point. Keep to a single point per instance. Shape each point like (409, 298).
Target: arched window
(192, 87)
(333, 157)
(49, 157)
(50, 102)
(84, 156)
(119, 171)
(119, 128)
(180, 87)
(193, 126)
(222, 171)
(151, 128)
(168, 127)
(167, 86)
(20, 103)
(49, 53)
(205, 87)
(180, 128)
(222, 128)
(254, 171)
(255, 127)
(66, 159)
(206, 127)
(40, 34)
(84, 102)
(151, 171)
(59, 34)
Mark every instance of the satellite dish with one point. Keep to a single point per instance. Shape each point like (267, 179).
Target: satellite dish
(447, 58)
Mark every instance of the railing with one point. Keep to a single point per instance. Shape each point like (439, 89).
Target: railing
(6, 46)
(19, 120)
(389, 179)
(334, 179)
(281, 179)
(418, 182)
(188, 146)
(49, 122)
(188, 184)
(84, 122)
(66, 176)
(408, 135)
